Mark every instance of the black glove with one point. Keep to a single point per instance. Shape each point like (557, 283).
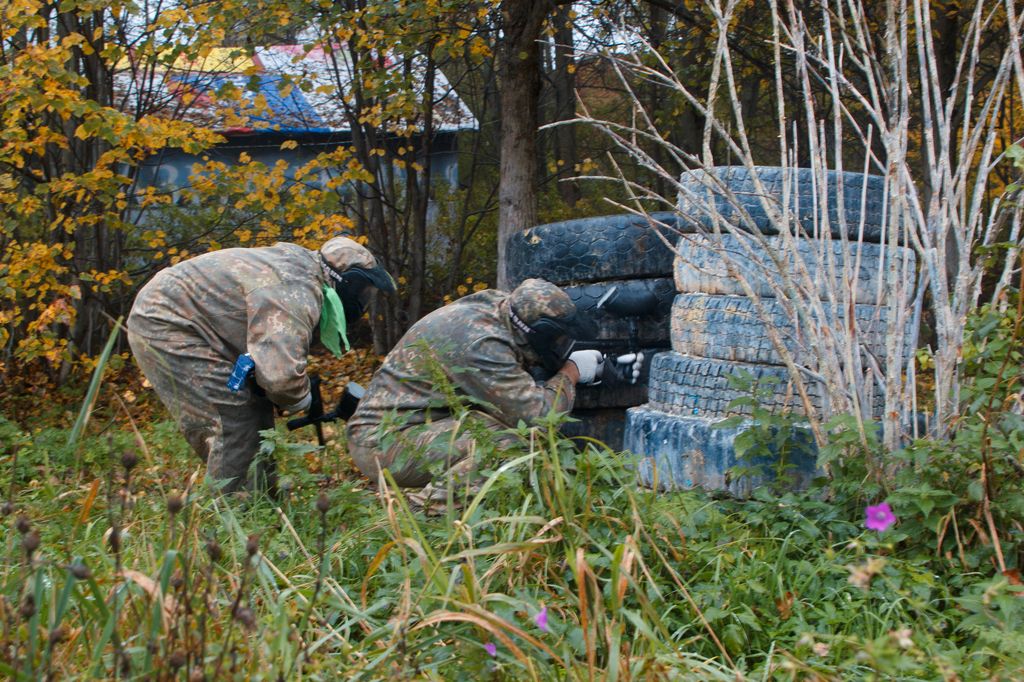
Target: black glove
(623, 370)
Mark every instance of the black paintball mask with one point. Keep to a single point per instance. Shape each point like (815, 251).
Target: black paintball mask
(553, 339)
(355, 287)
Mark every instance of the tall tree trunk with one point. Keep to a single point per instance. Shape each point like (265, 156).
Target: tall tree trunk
(519, 85)
(96, 246)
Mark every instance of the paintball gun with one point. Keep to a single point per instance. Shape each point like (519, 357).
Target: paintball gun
(631, 302)
(316, 416)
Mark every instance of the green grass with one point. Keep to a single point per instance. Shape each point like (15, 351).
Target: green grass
(337, 581)
(118, 562)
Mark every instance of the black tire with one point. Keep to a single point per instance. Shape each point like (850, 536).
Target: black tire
(680, 452)
(730, 328)
(605, 425)
(700, 267)
(698, 193)
(684, 385)
(592, 250)
(614, 330)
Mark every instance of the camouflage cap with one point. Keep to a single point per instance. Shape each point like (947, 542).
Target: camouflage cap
(537, 298)
(548, 321)
(342, 253)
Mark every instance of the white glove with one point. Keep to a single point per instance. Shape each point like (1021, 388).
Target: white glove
(630, 374)
(590, 363)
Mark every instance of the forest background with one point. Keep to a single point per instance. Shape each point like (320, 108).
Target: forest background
(75, 136)
(926, 94)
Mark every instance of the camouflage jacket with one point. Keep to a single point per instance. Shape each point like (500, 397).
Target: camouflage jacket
(264, 301)
(473, 343)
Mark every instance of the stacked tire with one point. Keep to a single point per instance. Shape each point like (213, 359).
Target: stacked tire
(588, 257)
(716, 332)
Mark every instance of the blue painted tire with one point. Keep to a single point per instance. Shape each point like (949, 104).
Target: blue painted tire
(731, 328)
(701, 265)
(679, 452)
(698, 192)
(686, 385)
(692, 386)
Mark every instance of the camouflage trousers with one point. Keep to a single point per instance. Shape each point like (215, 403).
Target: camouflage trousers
(221, 426)
(435, 457)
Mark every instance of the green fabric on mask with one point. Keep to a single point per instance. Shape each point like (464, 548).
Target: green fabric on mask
(332, 322)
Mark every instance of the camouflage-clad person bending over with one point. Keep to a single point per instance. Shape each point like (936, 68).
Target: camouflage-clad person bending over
(483, 343)
(192, 321)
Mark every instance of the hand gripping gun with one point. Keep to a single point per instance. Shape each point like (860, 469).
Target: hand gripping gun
(316, 416)
(631, 303)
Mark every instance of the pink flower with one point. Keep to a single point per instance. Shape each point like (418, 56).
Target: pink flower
(491, 648)
(879, 517)
(541, 619)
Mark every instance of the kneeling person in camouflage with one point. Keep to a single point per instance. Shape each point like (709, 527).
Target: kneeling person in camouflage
(191, 323)
(483, 345)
